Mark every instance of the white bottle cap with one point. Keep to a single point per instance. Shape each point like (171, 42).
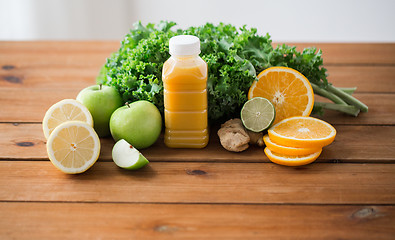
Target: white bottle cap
(184, 45)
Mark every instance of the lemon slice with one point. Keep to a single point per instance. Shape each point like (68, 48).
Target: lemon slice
(305, 132)
(294, 151)
(73, 147)
(65, 110)
(289, 160)
(257, 114)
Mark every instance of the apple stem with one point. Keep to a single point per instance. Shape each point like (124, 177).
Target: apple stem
(127, 104)
(100, 86)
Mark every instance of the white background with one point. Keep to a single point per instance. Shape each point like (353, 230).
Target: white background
(285, 20)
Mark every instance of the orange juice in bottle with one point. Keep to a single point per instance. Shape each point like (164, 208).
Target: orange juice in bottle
(184, 78)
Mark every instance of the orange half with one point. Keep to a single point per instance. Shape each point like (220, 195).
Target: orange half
(287, 89)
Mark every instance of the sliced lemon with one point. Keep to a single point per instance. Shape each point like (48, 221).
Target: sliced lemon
(73, 147)
(289, 160)
(65, 110)
(274, 147)
(287, 89)
(305, 132)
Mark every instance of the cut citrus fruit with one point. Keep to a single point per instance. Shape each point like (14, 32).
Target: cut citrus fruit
(289, 91)
(257, 114)
(305, 132)
(274, 147)
(73, 147)
(65, 110)
(289, 160)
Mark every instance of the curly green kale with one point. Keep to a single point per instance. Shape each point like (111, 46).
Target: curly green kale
(234, 57)
(135, 70)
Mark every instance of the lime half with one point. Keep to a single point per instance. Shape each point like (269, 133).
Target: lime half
(257, 114)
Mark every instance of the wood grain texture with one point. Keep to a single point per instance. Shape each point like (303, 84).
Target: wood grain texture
(30, 105)
(166, 182)
(26, 141)
(348, 193)
(56, 53)
(152, 221)
(51, 76)
(79, 52)
(371, 79)
(48, 77)
(352, 53)
(381, 111)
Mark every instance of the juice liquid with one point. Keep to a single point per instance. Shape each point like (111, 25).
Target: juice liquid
(185, 99)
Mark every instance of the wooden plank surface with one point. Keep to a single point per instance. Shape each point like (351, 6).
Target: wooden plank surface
(30, 105)
(367, 78)
(185, 221)
(56, 53)
(26, 141)
(353, 53)
(349, 193)
(168, 182)
(77, 53)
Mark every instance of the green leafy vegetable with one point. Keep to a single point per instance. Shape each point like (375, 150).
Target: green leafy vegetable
(234, 57)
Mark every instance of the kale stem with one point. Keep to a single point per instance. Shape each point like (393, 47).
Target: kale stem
(322, 92)
(347, 98)
(348, 109)
(349, 91)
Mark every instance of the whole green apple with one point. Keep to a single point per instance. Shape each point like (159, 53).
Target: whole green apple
(139, 123)
(101, 102)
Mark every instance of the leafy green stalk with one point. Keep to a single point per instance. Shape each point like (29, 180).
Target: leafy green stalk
(349, 91)
(324, 93)
(348, 98)
(348, 109)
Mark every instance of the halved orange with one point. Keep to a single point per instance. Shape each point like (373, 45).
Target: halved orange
(305, 132)
(289, 160)
(293, 151)
(287, 89)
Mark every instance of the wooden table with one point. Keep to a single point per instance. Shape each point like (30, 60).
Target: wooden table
(348, 193)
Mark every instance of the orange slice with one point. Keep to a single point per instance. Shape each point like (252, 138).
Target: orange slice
(287, 89)
(289, 160)
(277, 148)
(305, 132)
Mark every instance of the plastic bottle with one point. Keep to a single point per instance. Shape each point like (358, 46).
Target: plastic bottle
(184, 78)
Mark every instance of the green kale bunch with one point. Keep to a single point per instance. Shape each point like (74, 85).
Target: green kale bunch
(234, 57)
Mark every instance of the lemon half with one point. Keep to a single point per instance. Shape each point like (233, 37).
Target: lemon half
(73, 147)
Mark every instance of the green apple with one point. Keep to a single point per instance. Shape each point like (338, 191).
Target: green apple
(139, 123)
(126, 156)
(101, 102)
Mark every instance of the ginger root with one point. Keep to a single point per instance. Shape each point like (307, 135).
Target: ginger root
(256, 138)
(234, 137)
